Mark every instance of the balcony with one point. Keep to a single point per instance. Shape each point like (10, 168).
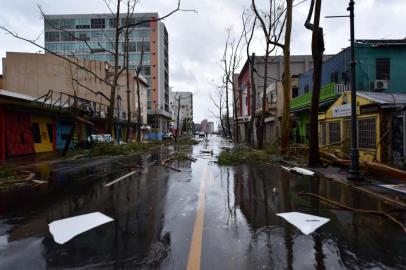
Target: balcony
(327, 93)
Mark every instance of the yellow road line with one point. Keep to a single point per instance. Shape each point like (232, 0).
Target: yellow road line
(195, 250)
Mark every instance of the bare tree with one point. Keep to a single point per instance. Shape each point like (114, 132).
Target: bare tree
(317, 53)
(219, 103)
(273, 23)
(130, 12)
(248, 35)
(117, 68)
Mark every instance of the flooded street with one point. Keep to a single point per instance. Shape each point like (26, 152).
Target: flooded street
(208, 216)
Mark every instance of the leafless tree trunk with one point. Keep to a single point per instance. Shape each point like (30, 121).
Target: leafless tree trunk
(317, 53)
(286, 80)
(219, 104)
(253, 100)
(139, 111)
(272, 25)
(251, 89)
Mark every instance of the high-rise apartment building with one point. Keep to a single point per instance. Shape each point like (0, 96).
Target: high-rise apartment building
(92, 36)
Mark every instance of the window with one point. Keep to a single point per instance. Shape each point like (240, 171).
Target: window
(295, 91)
(334, 132)
(367, 133)
(68, 36)
(82, 23)
(85, 36)
(146, 71)
(132, 46)
(50, 129)
(97, 23)
(382, 69)
(52, 36)
(36, 135)
(144, 45)
(51, 24)
(67, 24)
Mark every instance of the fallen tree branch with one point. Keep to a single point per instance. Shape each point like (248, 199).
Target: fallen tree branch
(371, 212)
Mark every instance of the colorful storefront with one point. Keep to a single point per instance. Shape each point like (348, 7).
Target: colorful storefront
(377, 115)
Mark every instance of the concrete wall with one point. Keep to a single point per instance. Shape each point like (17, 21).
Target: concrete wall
(36, 74)
(366, 56)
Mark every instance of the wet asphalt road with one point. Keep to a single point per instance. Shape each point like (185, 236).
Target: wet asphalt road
(204, 217)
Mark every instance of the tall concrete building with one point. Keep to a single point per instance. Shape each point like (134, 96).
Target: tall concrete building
(91, 37)
(185, 110)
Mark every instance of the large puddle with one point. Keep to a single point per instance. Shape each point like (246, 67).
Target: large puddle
(154, 212)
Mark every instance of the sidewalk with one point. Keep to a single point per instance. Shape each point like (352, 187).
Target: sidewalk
(368, 185)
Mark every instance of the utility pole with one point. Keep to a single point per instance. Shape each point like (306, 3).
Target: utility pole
(353, 172)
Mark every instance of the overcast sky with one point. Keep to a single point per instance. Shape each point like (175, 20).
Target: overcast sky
(197, 40)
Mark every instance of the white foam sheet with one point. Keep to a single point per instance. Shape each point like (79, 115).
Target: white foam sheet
(304, 222)
(299, 170)
(64, 230)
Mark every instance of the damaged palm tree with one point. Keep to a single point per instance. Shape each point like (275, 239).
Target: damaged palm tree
(317, 53)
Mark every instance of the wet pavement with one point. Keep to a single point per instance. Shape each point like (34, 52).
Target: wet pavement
(204, 216)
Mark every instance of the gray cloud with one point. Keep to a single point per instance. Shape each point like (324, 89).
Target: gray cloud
(197, 40)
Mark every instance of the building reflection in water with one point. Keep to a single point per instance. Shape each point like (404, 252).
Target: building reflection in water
(346, 239)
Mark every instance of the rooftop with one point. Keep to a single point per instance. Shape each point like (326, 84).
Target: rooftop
(383, 98)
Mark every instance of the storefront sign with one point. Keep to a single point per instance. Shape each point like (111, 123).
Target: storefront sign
(342, 110)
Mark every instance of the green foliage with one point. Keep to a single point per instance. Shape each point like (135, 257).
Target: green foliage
(242, 154)
(186, 141)
(7, 172)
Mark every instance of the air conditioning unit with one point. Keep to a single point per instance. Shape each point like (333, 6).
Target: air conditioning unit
(381, 85)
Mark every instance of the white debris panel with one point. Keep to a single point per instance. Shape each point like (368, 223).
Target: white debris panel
(64, 230)
(304, 222)
(298, 170)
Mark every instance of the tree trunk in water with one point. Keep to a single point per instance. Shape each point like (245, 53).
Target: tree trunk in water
(317, 53)
(253, 102)
(287, 82)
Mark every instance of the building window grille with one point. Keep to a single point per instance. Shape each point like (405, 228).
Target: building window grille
(367, 133)
(334, 132)
(323, 134)
(382, 68)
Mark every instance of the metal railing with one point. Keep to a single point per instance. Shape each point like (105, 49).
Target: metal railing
(328, 91)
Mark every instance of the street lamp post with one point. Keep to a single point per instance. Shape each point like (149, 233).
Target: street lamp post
(353, 172)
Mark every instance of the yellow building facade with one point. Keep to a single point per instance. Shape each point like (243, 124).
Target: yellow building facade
(335, 128)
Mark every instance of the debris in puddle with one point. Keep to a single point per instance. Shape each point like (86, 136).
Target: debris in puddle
(206, 151)
(64, 230)
(119, 179)
(298, 170)
(304, 222)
